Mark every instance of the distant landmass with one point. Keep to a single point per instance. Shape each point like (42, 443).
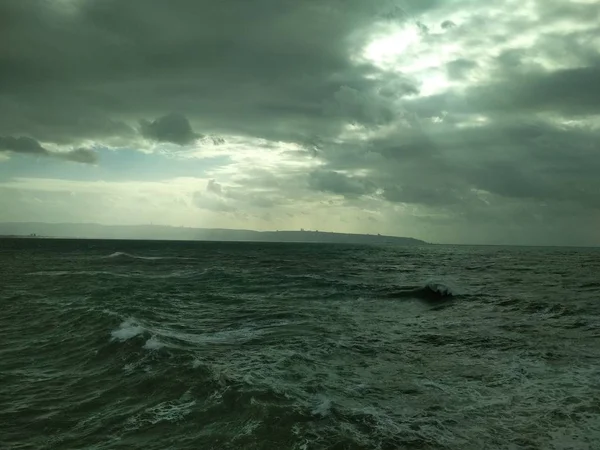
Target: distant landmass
(161, 232)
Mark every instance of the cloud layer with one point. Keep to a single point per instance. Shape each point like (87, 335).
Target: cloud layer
(449, 120)
(29, 146)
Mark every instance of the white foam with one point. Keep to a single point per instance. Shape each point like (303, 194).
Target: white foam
(127, 330)
(322, 408)
(52, 273)
(150, 258)
(171, 411)
(116, 255)
(153, 343)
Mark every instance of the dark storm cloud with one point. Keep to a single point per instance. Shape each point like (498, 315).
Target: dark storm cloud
(173, 128)
(29, 146)
(568, 91)
(533, 155)
(91, 69)
(513, 158)
(21, 144)
(517, 88)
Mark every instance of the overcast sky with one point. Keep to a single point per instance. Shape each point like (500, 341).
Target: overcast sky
(461, 121)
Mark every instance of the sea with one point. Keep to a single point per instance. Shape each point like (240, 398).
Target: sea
(211, 345)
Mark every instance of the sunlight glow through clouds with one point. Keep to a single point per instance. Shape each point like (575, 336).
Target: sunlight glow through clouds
(402, 50)
(391, 43)
(386, 116)
(247, 153)
(423, 55)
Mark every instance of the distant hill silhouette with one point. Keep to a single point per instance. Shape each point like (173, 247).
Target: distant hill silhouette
(96, 231)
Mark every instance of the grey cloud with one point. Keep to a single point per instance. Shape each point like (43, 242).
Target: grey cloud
(449, 168)
(422, 195)
(338, 183)
(63, 117)
(359, 107)
(582, 12)
(214, 187)
(21, 144)
(569, 91)
(255, 199)
(460, 68)
(29, 146)
(290, 74)
(115, 66)
(80, 155)
(239, 199)
(397, 86)
(213, 203)
(173, 128)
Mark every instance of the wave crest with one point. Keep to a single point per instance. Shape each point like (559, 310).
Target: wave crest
(441, 289)
(127, 330)
(431, 290)
(153, 343)
(124, 255)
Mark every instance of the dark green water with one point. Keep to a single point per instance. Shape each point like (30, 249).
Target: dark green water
(175, 345)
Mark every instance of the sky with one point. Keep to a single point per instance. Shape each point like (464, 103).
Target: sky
(451, 121)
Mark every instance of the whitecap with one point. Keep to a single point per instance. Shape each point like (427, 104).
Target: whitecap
(153, 343)
(149, 258)
(127, 330)
(443, 289)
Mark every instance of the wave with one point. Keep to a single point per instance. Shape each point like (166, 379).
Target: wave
(432, 291)
(153, 344)
(167, 411)
(323, 407)
(127, 330)
(62, 273)
(125, 255)
(105, 273)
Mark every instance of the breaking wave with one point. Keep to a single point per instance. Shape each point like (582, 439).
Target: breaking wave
(125, 255)
(127, 330)
(431, 290)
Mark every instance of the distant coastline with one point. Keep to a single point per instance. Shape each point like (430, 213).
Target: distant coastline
(35, 230)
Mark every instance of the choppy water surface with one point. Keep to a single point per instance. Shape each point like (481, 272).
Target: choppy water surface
(157, 345)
